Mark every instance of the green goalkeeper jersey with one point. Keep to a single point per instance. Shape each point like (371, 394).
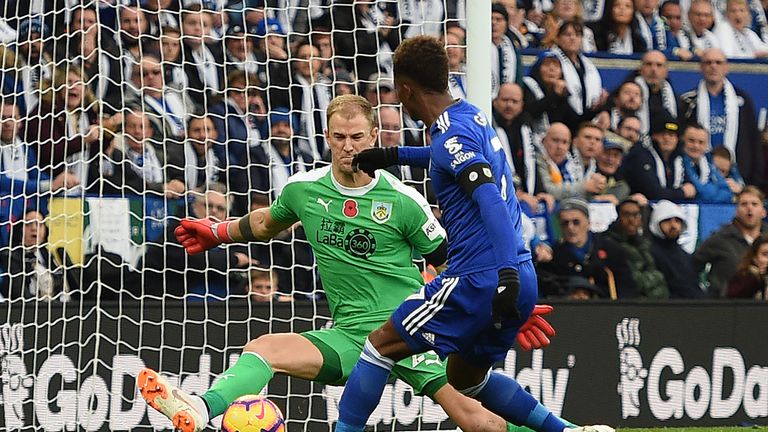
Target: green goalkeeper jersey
(363, 239)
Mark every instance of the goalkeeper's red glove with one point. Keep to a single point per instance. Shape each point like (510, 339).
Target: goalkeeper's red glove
(535, 333)
(198, 235)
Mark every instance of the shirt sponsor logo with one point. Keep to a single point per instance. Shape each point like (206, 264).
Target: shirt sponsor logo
(360, 243)
(350, 208)
(324, 203)
(381, 211)
(461, 157)
(432, 230)
(453, 145)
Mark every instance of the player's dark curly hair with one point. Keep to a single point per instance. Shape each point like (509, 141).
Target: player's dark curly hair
(424, 60)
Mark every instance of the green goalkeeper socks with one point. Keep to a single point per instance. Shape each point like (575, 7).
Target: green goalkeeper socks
(247, 376)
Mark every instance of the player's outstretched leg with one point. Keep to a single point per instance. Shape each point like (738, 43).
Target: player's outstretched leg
(187, 413)
(288, 353)
(504, 396)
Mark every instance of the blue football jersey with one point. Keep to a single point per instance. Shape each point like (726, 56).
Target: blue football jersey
(462, 137)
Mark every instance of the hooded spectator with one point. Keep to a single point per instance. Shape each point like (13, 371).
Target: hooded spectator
(666, 226)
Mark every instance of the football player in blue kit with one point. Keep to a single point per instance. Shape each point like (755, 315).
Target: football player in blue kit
(471, 312)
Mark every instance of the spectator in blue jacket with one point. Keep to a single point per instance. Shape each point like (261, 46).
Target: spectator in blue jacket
(700, 171)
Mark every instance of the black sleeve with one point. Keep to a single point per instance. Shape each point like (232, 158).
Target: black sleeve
(438, 256)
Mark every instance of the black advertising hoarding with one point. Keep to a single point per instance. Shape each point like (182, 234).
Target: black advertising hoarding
(627, 364)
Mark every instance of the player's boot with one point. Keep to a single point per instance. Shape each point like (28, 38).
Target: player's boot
(170, 401)
(595, 428)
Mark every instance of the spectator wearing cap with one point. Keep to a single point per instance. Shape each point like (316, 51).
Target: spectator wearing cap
(609, 165)
(311, 92)
(285, 155)
(33, 64)
(241, 127)
(656, 170)
(203, 61)
(506, 66)
(272, 56)
(344, 83)
(519, 143)
(579, 252)
(718, 256)
(380, 89)
(728, 113)
(666, 225)
(627, 232)
(711, 186)
(362, 33)
(240, 51)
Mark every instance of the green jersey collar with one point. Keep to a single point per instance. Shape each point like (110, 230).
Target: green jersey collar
(358, 191)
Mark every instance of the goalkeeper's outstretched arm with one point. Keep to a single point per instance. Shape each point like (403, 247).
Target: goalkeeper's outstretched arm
(256, 225)
(198, 235)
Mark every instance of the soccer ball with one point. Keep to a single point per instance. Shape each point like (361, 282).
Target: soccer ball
(253, 413)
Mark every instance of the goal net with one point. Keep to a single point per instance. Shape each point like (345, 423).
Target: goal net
(119, 118)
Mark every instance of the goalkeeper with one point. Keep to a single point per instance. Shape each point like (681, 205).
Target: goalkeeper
(363, 231)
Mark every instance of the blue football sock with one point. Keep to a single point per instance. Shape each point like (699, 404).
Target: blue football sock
(504, 396)
(363, 390)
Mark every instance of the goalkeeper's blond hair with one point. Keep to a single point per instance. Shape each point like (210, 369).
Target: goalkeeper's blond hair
(348, 106)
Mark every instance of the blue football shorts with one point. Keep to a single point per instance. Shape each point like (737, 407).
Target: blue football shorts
(453, 315)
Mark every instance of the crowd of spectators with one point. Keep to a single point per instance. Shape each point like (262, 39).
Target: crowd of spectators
(215, 103)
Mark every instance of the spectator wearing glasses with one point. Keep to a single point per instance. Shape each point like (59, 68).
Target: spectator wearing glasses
(597, 258)
(627, 232)
(165, 108)
(206, 274)
(728, 113)
(630, 129)
(701, 19)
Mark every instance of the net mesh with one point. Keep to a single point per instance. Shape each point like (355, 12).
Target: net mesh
(119, 118)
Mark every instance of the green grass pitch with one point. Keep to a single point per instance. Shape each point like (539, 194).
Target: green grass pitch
(696, 429)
